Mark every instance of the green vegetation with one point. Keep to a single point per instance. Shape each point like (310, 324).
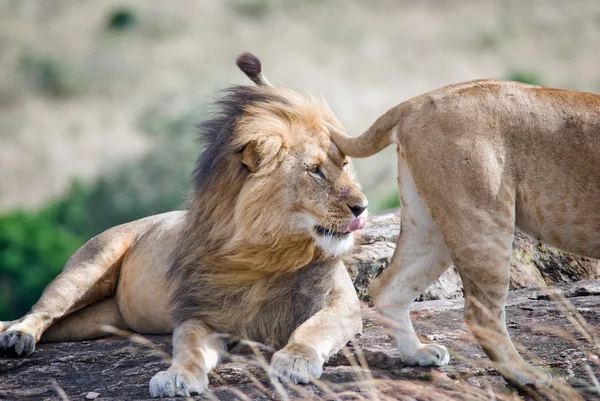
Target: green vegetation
(32, 252)
(50, 75)
(526, 77)
(251, 8)
(120, 19)
(391, 201)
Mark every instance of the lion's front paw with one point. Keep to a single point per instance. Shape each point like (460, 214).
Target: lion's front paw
(15, 343)
(428, 355)
(296, 363)
(173, 383)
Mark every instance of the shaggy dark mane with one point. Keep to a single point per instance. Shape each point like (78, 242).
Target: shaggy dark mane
(217, 133)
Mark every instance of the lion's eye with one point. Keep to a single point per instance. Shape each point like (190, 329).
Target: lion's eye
(346, 164)
(316, 170)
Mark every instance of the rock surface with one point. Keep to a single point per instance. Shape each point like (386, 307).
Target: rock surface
(120, 369)
(532, 263)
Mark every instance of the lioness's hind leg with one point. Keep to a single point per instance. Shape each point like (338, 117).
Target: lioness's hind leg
(484, 266)
(89, 276)
(87, 323)
(481, 240)
(421, 256)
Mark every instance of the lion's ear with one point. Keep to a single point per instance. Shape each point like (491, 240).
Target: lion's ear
(250, 157)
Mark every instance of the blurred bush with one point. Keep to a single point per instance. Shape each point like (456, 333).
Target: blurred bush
(50, 75)
(391, 201)
(33, 250)
(155, 184)
(251, 8)
(527, 77)
(120, 19)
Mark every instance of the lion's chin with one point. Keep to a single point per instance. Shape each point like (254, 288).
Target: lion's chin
(336, 245)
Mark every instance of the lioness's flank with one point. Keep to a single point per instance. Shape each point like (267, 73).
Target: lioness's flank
(475, 160)
(256, 256)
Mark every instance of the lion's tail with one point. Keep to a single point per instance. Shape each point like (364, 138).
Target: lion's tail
(379, 135)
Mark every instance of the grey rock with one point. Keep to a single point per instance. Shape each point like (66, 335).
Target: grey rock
(119, 369)
(532, 263)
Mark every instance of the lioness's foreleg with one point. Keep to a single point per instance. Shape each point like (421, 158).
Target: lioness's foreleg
(323, 334)
(420, 258)
(89, 276)
(196, 351)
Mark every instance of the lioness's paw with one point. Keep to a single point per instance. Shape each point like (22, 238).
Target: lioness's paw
(428, 355)
(529, 376)
(173, 383)
(296, 363)
(15, 343)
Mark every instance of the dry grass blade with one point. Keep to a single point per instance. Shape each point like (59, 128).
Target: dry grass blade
(61, 392)
(136, 338)
(366, 371)
(593, 378)
(572, 314)
(263, 363)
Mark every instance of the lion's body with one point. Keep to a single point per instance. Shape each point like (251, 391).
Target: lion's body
(475, 160)
(143, 293)
(257, 255)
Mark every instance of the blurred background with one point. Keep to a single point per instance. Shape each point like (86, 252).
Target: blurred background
(98, 98)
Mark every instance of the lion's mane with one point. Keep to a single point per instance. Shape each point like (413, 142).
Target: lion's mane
(257, 285)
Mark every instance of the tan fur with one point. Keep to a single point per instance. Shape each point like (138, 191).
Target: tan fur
(243, 262)
(475, 159)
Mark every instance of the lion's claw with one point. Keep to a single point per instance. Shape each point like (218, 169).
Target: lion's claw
(297, 364)
(14, 343)
(177, 383)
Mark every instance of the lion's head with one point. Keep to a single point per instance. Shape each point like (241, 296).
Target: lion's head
(271, 191)
(284, 179)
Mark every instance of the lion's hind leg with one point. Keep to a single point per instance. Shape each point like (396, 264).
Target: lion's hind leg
(87, 323)
(89, 276)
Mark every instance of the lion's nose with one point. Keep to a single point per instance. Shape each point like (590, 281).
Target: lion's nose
(357, 209)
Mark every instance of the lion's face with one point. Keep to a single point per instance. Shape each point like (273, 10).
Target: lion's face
(300, 185)
(326, 200)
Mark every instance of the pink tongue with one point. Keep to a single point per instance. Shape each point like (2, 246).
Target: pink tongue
(356, 224)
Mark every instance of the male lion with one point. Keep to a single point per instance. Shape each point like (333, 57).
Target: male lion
(256, 256)
(475, 160)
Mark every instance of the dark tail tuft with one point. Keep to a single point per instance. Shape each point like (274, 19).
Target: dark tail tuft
(249, 64)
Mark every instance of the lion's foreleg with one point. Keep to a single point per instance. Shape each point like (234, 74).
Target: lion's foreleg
(323, 334)
(196, 351)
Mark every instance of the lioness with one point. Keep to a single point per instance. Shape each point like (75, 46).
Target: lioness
(475, 160)
(257, 255)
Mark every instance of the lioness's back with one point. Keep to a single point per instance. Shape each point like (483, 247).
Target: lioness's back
(545, 142)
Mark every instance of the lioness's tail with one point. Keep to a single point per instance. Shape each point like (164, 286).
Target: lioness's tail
(376, 138)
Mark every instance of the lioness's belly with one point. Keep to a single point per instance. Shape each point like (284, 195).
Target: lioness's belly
(143, 292)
